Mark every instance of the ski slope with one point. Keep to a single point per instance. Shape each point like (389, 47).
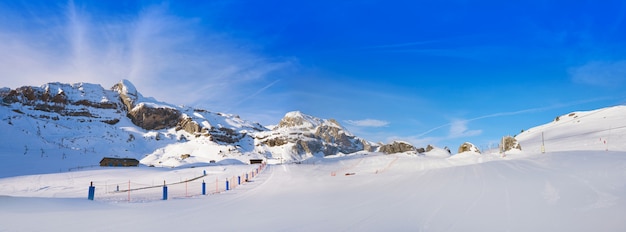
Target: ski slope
(602, 129)
(563, 191)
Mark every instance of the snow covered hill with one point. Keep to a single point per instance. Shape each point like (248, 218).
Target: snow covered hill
(597, 130)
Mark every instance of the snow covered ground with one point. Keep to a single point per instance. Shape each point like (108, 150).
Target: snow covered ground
(561, 191)
(578, 184)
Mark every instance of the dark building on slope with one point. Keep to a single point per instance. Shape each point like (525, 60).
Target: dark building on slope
(119, 162)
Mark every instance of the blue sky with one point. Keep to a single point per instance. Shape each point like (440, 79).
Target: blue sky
(426, 72)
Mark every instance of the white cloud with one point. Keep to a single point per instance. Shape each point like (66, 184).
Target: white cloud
(600, 73)
(367, 123)
(174, 59)
(459, 129)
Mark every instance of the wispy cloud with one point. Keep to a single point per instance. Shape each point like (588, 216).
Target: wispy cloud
(367, 123)
(256, 93)
(459, 129)
(171, 58)
(509, 113)
(600, 73)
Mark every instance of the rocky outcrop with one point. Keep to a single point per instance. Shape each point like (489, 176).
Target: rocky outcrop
(335, 134)
(308, 135)
(145, 116)
(128, 94)
(276, 141)
(53, 98)
(187, 124)
(307, 147)
(367, 146)
(429, 148)
(225, 135)
(150, 118)
(298, 120)
(396, 147)
(508, 143)
(467, 146)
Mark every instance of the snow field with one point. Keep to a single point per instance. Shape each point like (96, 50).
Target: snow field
(564, 191)
(145, 184)
(597, 130)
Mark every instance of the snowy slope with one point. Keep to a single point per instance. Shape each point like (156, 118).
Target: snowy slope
(62, 127)
(562, 191)
(598, 130)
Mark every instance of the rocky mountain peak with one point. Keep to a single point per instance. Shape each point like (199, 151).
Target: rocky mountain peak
(308, 135)
(128, 93)
(297, 119)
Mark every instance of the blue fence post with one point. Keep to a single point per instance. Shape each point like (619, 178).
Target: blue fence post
(92, 191)
(205, 172)
(227, 187)
(246, 177)
(203, 188)
(238, 180)
(164, 191)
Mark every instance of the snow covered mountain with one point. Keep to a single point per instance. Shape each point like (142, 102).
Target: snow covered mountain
(298, 136)
(57, 127)
(60, 127)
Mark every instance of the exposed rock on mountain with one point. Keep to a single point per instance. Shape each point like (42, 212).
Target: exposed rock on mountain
(131, 125)
(467, 146)
(127, 94)
(396, 147)
(306, 135)
(77, 100)
(509, 143)
(148, 116)
(77, 119)
(429, 148)
(187, 124)
(369, 147)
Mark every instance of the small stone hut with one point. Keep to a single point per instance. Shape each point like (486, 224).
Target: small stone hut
(119, 162)
(256, 161)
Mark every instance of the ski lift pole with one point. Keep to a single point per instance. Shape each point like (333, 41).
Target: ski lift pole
(164, 191)
(92, 191)
(203, 188)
